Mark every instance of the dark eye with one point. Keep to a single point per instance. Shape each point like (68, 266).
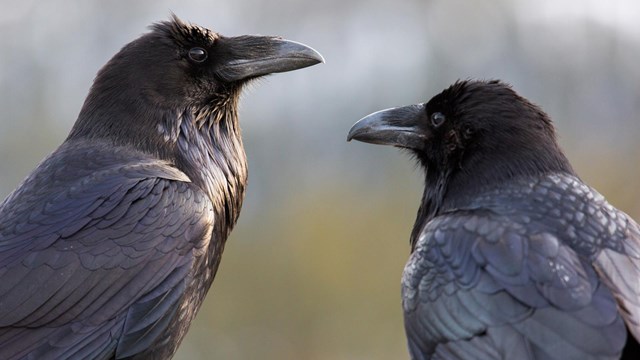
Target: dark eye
(437, 118)
(468, 132)
(198, 54)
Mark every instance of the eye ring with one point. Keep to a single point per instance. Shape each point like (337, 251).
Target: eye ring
(437, 119)
(198, 54)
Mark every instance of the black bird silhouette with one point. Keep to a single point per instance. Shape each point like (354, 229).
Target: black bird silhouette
(109, 247)
(512, 255)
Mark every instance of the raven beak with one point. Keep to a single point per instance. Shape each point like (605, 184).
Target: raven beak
(253, 56)
(403, 127)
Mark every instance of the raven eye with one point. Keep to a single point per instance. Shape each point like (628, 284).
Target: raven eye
(437, 118)
(467, 132)
(198, 54)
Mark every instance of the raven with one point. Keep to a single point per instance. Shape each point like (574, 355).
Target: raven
(108, 248)
(512, 255)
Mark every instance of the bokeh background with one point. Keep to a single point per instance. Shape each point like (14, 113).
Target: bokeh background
(312, 270)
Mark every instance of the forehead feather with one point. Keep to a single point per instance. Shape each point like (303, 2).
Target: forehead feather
(184, 34)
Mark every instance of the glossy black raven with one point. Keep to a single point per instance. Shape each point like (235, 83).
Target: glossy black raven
(512, 255)
(109, 247)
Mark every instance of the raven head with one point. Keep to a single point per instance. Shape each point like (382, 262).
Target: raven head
(199, 66)
(178, 66)
(483, 129)
(473, 135)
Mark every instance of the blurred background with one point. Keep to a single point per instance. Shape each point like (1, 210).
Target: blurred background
(312, 270)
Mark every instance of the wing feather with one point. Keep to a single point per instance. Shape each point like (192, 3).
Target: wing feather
(482, 281)
(97, 260)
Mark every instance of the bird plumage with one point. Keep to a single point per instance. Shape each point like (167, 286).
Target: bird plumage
(109, 246)
(513, 256)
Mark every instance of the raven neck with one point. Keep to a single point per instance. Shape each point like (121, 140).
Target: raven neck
(198, 133)
(203, 142)
(124, 122)
(210, 152)
(432, 200)
(455, 187)
(483, 171)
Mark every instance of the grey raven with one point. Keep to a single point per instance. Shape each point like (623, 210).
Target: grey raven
(512, 255)
(108, 248)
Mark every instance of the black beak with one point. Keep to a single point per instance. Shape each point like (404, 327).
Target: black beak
(403, 127)
(252, 56)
